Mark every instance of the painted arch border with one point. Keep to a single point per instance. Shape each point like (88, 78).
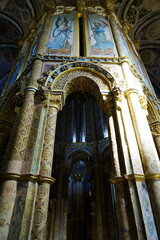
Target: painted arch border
(61, 70)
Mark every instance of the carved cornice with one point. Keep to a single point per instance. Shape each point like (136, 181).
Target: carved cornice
(26, 177)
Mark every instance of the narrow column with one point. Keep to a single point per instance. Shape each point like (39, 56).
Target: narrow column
(126, 228)
(41, 208)
(98, 206)
(134, 168)
(57, 231)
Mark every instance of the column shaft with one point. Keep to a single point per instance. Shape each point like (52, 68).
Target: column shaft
(41, 208)
(14, 164)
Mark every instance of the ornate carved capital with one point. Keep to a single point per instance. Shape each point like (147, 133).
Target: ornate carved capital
(155, 129)
(109, 5)
(143, 101)
(41, 96)
(80, 5)
(118, 94)
(55, 100)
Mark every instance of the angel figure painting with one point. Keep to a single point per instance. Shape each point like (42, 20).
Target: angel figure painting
(100, 37)
(61, 38)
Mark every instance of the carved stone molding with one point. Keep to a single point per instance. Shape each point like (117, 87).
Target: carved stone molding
(55, 101)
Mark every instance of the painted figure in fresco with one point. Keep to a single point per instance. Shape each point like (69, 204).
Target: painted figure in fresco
(99, 35)
(60, 34)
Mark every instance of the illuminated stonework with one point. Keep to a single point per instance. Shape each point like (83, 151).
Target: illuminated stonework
(80, 129)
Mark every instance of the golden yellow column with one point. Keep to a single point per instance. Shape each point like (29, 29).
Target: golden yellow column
(41, 208)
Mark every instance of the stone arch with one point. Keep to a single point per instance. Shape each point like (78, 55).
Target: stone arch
(84, 76)
(76, 155)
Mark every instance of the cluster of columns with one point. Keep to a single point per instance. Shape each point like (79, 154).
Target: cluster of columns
(141, 158)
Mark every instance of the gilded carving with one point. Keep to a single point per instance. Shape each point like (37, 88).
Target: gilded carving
(41, 80)
(46, 73)
(118, 94)
(62, 80)
(155, 129)
(143, 102)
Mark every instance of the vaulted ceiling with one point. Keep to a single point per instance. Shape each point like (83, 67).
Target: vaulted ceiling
(142, 17)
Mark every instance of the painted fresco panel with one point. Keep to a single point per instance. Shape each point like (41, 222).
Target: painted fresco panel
(7, 56)
(100, 38)
(61, 38)
(18, 68)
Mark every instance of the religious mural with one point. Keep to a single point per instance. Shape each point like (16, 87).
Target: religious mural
(7, 58)
(100, 38)
(61, 38)
(18, 65)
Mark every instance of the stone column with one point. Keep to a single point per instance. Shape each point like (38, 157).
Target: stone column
(57, 231)
(33, 159)
(100, 235)
(41, 208)
(110, 112)
(11, 169)
(145, 141)
(125, 226)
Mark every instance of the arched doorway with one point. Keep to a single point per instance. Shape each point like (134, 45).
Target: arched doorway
(79, 167)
